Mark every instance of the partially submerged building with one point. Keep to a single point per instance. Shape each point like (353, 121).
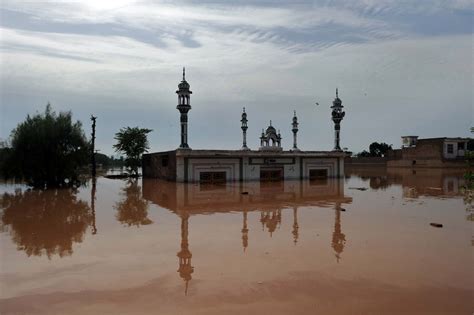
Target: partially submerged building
(431, 152)
(269, 162)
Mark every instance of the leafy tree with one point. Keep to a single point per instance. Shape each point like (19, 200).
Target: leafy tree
(379, 149)
(133, 143)
(47, 150)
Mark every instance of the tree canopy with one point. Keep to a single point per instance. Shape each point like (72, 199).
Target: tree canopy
(132, 142)
(47, 150)
(376, 149)
(379, 149)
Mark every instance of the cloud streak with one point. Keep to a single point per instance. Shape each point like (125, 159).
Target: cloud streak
(388, 58)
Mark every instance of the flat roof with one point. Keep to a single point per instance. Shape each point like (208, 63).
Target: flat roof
(252, 153)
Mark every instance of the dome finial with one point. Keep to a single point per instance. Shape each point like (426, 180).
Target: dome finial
(270, 122)
(294, 112)
(184, 73)
(244, 109)
(337, 93)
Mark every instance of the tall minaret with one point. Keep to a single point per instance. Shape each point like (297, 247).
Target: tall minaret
(244, 130)
(337, 116)
(184, 96)
(295, 131)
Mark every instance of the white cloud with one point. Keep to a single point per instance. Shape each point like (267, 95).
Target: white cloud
(391, 82)
(151, 15)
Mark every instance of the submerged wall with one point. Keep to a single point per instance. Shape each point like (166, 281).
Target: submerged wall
(160, 165)
(189, 165)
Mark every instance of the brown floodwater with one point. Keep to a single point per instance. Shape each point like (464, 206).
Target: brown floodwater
(359, 245)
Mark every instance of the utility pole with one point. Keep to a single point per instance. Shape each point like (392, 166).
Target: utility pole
(93, 191)
(93, 118)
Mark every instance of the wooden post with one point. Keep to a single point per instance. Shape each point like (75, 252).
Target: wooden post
(93, 118)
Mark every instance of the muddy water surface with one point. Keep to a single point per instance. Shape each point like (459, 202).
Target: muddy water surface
(360, 245)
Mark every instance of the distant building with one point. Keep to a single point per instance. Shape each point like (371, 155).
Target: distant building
(431, 152)
(269, 162)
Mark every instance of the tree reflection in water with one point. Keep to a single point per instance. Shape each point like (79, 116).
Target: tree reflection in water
(133, 209)
(45, 221)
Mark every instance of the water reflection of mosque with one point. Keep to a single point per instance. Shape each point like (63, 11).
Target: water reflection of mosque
(268, 198)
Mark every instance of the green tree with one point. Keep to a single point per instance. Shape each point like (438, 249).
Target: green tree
(379, 149)
(47, 150)
(133, 143)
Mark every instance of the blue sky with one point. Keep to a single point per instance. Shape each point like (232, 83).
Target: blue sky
(402, 67)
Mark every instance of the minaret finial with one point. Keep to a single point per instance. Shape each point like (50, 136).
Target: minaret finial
(294, 112)
(244, 109)
(184, 74)
(337, 93)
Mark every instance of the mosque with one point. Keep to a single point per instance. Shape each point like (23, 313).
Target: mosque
(270, 162)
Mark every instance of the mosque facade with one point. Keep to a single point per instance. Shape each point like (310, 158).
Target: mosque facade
(270, 162)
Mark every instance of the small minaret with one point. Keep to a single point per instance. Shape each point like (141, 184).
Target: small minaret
(337, 116)
(244, 130)
(295, 131)
(184, 96)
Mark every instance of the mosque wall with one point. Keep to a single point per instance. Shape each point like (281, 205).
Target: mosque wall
(238, 166)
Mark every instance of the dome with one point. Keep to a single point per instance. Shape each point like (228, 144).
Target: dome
(271, 129)
(184, 85)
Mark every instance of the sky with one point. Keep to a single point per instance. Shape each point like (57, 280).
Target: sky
(402, 68)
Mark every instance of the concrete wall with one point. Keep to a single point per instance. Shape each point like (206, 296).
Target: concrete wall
(429, 153)
(456, 152)
(160, 165)
(247, 168)
(366, 160)
(426, 149)
(231, 166)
